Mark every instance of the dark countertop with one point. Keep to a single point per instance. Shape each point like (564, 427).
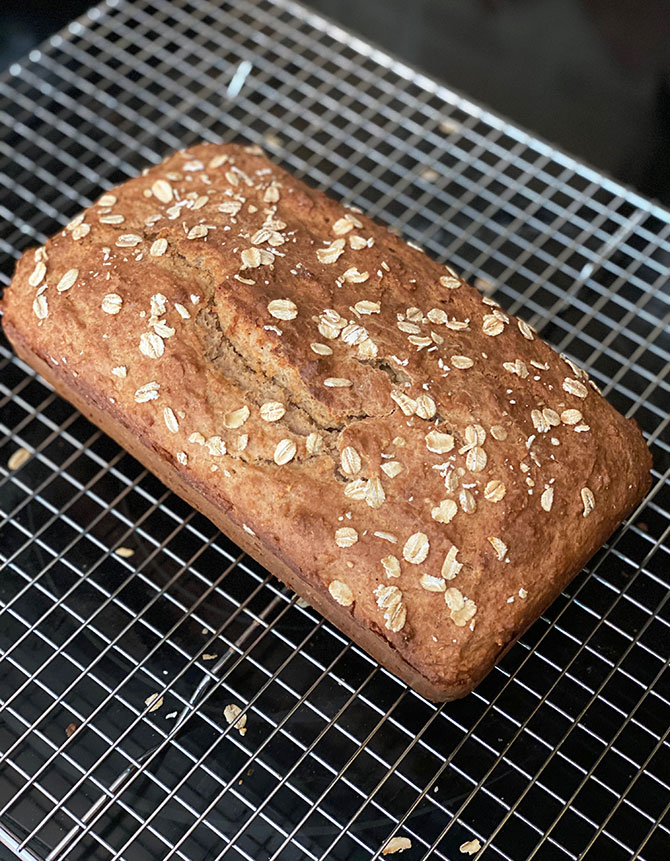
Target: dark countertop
(592, 76)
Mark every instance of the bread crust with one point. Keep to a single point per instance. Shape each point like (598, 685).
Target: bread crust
(425, 419)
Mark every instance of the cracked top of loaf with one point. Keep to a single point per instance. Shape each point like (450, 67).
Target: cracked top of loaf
(418, 456)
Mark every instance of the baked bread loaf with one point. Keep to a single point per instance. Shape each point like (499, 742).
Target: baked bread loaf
(409, 458)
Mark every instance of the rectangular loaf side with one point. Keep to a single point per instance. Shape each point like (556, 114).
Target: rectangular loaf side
(414, 461)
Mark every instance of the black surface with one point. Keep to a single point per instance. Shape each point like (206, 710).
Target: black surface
(592, 76)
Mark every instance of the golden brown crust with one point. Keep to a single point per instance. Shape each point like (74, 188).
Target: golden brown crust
(332, 398)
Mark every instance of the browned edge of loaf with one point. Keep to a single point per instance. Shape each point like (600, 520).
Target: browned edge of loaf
(278, 565)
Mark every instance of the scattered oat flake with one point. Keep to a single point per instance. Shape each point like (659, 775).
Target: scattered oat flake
(425, 407)
(217, 161)
(111, 303)
(432, 584)
(272, 411)
(589, 501)
(396, 844)
(353, 276)
(331, 253)
(236, 418)
(391, 566)
(41, 307)
(392, 468)
(574, 387)
(154, 701)
(494, 491)
(470, 847)
(350, 460)
(158, 247)
(37, 274)
(571, 417)
(251, 257)
(124, 552)
(492, 325)
(450, 567)
(374, 493)
(18, 458)
(342, 226)
(445, 511)
(462, 362)
(67, 280)
(283, 309)
(314, 443)
(547, 498)
(499, 546)
(366, 306)
(162, 190)
(461, 609)
(147, 392)
(389, 599)
(80, 231)
(232, 715)
(525, 330)
(209, 657)
(341, 593)
(198, 231)
(439, 443)
(476, 459)
(346, 536)
(128, 240)
(416, 548)
(151, 345)
(406, 404)
(170, 418)
(285, 451)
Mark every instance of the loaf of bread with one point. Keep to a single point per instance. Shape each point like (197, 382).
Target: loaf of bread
(412, 460)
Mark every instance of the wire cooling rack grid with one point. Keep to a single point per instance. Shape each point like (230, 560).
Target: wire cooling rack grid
(562, 753)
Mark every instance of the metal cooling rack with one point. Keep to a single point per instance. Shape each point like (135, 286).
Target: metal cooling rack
(562, 753)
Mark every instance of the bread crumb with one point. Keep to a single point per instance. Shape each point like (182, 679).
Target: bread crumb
(209, 657)
(154, 701)
(470, 847)
(71, 729)
(18, 458)
(231, 713)
(396, 844)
